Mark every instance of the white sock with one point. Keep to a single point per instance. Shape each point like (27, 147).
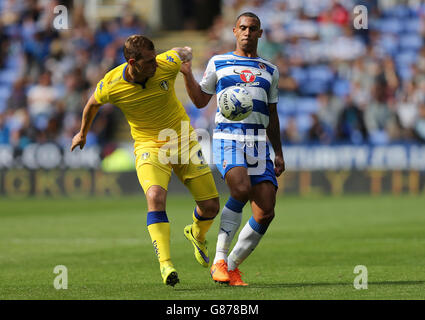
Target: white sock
(248, 239)
(230, 221)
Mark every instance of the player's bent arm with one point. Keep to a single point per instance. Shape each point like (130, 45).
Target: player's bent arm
(199, 98)
(89, 112)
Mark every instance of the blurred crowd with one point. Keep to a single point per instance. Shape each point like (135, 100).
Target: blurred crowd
(47, 75)
(337, 84)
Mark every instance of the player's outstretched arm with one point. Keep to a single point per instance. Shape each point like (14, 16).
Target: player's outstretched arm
(199, 98)
(273, 133)
(89, 113)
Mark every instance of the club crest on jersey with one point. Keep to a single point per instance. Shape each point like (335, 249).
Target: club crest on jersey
(247, 76)
(164, 85)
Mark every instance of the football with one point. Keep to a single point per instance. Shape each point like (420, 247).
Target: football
(235, 103)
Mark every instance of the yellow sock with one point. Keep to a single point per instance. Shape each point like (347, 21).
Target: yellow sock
(200, 226)
(159, 230)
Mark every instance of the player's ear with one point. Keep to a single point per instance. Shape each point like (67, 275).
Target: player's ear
(131, 61)
(260, 33)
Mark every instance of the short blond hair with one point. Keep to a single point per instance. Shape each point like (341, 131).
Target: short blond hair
(134, 44)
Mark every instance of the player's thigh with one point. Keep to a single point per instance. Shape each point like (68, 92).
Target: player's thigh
(228, 154)
(154, 182)
(202, 187)
(150, 170)
(204, 191)
(263, 201)
(196, 175)
(239, 182)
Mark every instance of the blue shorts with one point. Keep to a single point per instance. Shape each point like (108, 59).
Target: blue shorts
(254, 156)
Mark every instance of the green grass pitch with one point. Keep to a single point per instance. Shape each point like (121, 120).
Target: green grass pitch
(309, 252)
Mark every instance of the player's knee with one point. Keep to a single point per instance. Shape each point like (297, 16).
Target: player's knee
(214, 207)
(266, 217)
(156, 198)
(210, 208)
(241, 192)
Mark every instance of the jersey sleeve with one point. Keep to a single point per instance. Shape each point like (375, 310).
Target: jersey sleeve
(171, 60)
(209, 80)
(273, 96)
(101, 94)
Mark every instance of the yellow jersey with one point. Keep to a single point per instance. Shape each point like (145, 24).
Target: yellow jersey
(148, 108)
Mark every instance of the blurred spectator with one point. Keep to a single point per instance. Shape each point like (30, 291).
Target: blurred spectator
(4, 130)
(336, 84)
(419, 126)
(18, 97)
(268, 48)
(367, 84)
(41, 99)
(318, 132)
(379, 119)
(330, 108)
(46, 76)
(351, 126)
(287, 84)
(407, 111)
(290, 133)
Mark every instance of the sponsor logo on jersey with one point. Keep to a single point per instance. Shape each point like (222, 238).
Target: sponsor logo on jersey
(170, 59)
(249, 84)
(247, 75)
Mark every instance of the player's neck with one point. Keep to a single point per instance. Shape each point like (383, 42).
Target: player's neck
(132, 78)
(246, 53)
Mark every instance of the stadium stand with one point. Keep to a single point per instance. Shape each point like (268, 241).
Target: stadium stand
(337, 84)
(353, 86)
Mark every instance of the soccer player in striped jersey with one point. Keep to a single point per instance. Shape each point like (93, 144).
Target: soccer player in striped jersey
(236, 143)
(143, 88)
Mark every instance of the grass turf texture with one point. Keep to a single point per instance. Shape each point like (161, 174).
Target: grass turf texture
(309, 251)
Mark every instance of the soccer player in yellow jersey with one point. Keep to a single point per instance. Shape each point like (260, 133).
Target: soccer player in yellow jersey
(143, 88)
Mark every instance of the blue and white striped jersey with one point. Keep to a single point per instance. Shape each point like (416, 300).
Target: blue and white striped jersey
(257, 75)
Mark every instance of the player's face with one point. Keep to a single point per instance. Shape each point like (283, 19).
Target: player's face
(146, 66)
(247, 33)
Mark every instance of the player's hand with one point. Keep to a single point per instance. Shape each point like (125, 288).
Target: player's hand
(186, 68)
(187, 54)
(279, 165)
(78, 140)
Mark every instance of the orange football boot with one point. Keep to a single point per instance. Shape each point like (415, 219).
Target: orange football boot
(219, 271)
(235, 278)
